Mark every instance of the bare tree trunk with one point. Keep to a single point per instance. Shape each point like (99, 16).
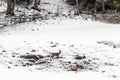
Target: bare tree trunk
(39, 2)
(36, 5)
(28, 2)
(95, 10)
(78, 8)
(13, 6)
(103, 6)
(95, 7)
(10, 7)
(87, 8)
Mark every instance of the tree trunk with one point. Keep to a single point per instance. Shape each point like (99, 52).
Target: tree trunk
(95, 7)
(95, 10)
(36, 5)
(78, 8)
(10, 7)
(87, 8)
(39, 2)
(28, 2)
(103, 6)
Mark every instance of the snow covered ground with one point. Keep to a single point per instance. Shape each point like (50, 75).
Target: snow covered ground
(26, 48)
(98, 42)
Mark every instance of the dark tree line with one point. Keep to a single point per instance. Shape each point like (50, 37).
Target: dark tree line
(95, 5)
(90, 6)
(11, 5)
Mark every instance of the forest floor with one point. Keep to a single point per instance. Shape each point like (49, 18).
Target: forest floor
(111, 18)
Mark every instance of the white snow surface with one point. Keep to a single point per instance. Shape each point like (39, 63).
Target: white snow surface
(72, 36)
(82, 34)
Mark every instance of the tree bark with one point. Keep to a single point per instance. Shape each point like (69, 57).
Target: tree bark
(39, 2)
(95, 7)
(103, 6)
(36, 2)
(78, 8)
(87, 7)
(28, 2)
(10, 7)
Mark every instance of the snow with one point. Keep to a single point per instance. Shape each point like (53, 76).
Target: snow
(49, 75)
(92, 39)
(80, 33)
(56, 30)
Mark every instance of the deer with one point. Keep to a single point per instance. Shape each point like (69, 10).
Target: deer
(78, 67)
(55, 54)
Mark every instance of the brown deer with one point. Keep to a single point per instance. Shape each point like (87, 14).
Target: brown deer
(78, 67)
(55, 54)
